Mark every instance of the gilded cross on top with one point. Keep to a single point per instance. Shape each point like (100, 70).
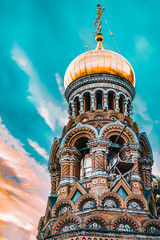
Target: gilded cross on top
(98, 20)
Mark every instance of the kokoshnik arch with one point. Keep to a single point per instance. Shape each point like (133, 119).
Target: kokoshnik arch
(102, 187)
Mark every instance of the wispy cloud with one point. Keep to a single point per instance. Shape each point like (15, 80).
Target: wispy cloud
(143, 48)
(141, 108)
(38, 149)
(60, 84)
(23, 199)
(43, 101)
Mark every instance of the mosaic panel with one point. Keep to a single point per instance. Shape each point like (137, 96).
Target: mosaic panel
(69, 227)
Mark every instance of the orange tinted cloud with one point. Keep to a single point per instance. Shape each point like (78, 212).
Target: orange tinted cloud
(24, 187)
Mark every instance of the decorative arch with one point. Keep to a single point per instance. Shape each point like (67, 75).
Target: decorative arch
(40, 236)
(82, 117)
(85, 198)
(152, 226)
(47, 231)
(113, 196)
(121, 93)
(115, 128)
(152, 208)
(112, 90)
(126, 219)
(98, 114)
(135, 128)
(71, 124)
(66, 219)
(128, 121)
(47, 215)
(78, 132)
(98, 89)
(96, 218)
(40, 224)
(146, 146)
(114, 117)
(86, 91)
(60, 204)
(137, 199)
(76, 96)
(53, 156)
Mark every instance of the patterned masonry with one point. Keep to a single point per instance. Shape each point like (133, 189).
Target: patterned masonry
(102, 187)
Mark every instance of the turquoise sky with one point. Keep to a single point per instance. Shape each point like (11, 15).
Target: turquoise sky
(38, 40)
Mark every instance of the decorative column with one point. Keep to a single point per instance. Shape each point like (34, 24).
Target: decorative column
(146, 168)
(130, 111)
(92, 102)
(73, 110)
(54, 169)
(69, 159)
(117, 104)
(81, 100)
(125, 107)
(105, 103)
(99, 149)
(131, 153)
(70, 113)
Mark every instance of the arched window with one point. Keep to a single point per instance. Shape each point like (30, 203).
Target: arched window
(99, 100)
(87, 102)
(70, 110)
(86, 162)
(121, 104)
(77, 106)
(111, 100)
(128, 106)
(86, 166)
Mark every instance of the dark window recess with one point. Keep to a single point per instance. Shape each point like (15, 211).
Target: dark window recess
(110, 101)
(121, 104)
(99, 100)
(77, 107)
(87, 102)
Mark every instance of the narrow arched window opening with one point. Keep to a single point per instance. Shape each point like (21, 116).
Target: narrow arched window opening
(70, 110)
(77, 106)
(121, 104)
(99, 100)
(87, 101)
(86, 161)
(111, 100)
(128, 106)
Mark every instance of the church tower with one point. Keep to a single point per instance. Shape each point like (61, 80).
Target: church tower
(101, 167)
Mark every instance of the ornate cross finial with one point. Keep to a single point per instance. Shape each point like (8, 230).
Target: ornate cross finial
(98, 20)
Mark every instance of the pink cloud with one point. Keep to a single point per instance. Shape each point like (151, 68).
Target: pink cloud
(24, 187)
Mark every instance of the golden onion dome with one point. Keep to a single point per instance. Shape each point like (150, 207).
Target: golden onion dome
(99, 61)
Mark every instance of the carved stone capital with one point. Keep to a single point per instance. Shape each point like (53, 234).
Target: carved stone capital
(53, 167)
(99, 142)
(146, 161)
(68, 152)
(131, 147)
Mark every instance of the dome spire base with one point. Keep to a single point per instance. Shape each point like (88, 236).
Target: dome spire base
(99, 40)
